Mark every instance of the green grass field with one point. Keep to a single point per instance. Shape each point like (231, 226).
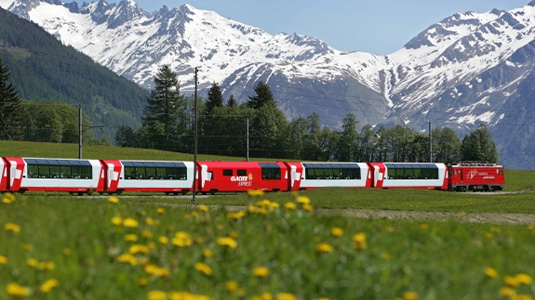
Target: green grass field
(275, 246)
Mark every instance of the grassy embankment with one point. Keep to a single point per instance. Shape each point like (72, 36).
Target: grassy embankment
(148, 248)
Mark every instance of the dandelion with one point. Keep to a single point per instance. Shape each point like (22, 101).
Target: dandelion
(131, 223)
(232, 285)
(227, 241)
(491, 272)
(263, 296)
(46, 266)
(150, 221)
(204, 208)
(160, 210)
(131, 237)
(261, 272)
(163, 240)
(156, 295)
(255, 193)
(531, 228)
(143, 281)
(182, 239)
(323, 298)
(507, 292)
(236, 215)
(286, 296)
(187, 296)
(359, 240)
(207, 253)
(3, 260)
(337, 231)
(117, 221)
(410, 296)
(26, 247)
(17, 290)
(157, 271)
(127, 258)
(8, 198)
(146, 234)
(303, 200)
(203, 268)
(48, 285)
(524, 279)
(12, 227)
(308, 207)
(67, 251)
(138, 249)
(32, 262)
(289, 205)
(424, 226)
(113, 199)
(324, 248)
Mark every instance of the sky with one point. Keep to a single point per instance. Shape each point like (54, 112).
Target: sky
(374, 26)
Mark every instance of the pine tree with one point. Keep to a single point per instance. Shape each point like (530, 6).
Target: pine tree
(263, 95)
(165, 113)
(232, 101)
(479, 146)
(10, 108)
(215, 99)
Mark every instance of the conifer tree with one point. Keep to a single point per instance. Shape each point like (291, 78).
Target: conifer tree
(215, 99)
(10, 108)
(263, 95)
(165, 112)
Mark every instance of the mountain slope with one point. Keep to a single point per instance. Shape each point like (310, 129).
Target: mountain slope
(466, 69)
(43, 69)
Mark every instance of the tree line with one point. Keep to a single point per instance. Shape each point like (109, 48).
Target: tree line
(258, 127)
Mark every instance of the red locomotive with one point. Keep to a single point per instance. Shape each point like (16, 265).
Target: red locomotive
(20, 174)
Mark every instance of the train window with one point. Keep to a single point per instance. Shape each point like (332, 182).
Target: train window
(160, 173)
(151, 173)
(227, 172)
(87, 172)
(412, 171)
(242, 172)
(129, 172)
(332, 171)
(33, 171)
(500, 172)
(271, 173)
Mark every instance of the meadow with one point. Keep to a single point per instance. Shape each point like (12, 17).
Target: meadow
(263, 246)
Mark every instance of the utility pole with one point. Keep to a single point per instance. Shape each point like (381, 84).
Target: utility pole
(80, 131)
(195, 144)
(430, 142)
(247, 139)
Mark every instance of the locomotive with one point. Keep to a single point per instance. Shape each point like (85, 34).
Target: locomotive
(21, 174)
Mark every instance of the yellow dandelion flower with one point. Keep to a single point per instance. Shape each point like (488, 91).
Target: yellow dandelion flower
(131, 237)
(337, 231)
(303, 200)
(147, 234)
(204, 268)
(410, 296)
(323, 298)
(150, 221)
(511, 281)
(8, 198)
(17, 290)
(163, 240)
(157, 271)
(182, 239)
(359, 240)
(26, 247)
(491, 272)
(255, 193)
(207, 253)
(286, 296)
(530, 228)
(523, 278)
(113, 199)
(227, 241)
(143, 281)
(12, 227)
(46, 266)
(324, 248)
(263, 296)
(67, 251)
(204, 208)
(308, 207)
(261, 272)
(127, 258)
(232, 285)
(3, 260)
(156, 295)
(390, 229)
(160, 210)
(32, 262)
(117, 221)
(289, 205)
(236, 215)
(507, 292)
(130, 222)
(48, 285)
(138, 249)
(424, 226)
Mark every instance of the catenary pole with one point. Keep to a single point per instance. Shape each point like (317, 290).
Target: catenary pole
(195, 143)
(430, 143)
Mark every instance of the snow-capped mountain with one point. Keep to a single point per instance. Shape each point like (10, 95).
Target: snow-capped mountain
(468, 68)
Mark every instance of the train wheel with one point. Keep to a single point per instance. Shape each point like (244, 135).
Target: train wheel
(184, 192)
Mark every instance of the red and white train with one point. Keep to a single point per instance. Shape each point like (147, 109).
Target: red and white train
(20, 174)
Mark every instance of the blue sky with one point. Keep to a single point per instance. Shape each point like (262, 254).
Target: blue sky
(374, 26)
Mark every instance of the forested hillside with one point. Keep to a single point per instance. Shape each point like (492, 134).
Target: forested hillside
(42, 69)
